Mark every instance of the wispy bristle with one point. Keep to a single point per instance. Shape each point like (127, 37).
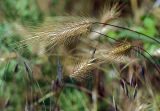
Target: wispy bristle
(82, 70)
(117, 58)
(63, 34)
(110, 13)
(73, 31)
(116, 54)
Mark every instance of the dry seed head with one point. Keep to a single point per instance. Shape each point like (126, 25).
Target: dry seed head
(71, 33)
(82, 70)
(62, 34)
(117, 50)
(115, 54)
(121, 49)
(110, 13)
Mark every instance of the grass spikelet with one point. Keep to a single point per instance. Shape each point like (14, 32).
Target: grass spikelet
(62, 34)
(81, 71)
(116, 54)
(128, 46)
(121, 49)
(73, 32)
(110, 13)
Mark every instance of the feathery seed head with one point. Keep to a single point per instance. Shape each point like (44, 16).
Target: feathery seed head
(61, 34)
(115, 54)
(110, 13)
(72, 32)
(121, 49)
(82, 70)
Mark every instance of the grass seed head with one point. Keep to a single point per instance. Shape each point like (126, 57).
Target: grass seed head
(62, 34)
(83, 69)
(110, 13)
(116, 54)
(121, 49)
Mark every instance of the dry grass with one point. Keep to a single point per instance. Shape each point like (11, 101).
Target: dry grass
(114, 55)
(83, 69)
(61, 34)
(69, 34)
(110, 13)
(63, 31)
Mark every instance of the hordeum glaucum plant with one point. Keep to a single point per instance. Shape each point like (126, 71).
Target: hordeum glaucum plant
(70, 62)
